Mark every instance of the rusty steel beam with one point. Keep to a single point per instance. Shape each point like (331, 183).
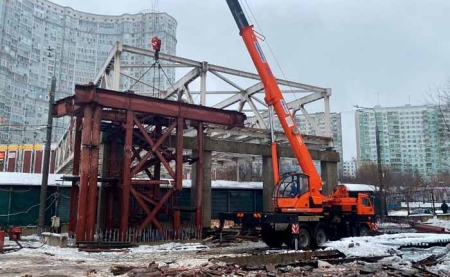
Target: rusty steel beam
(152, 144)
(93, 173)
(157, 167)
(148, 182)
(85, 94)
(112, 171)
(75, 172)
(137, 156)
(155, 211)
(178, 176)
(84, 174)
(110, 209)
(126, 174)
(199, 182)
(148, 199)
(153, 149)
(65, 106)
(141, 203)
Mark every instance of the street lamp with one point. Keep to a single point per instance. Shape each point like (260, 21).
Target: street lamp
(47, 150)
(380, 172)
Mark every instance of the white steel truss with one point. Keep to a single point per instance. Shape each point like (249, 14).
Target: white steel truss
(242, 98)
(109, 77)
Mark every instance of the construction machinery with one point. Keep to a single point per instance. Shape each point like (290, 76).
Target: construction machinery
(302, 215)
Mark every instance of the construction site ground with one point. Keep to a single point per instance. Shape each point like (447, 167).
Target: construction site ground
(403, 254)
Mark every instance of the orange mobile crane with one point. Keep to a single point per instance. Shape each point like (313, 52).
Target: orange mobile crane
(301, 211)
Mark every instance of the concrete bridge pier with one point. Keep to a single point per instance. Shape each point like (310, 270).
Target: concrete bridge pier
(268, 185)
(206, 188)
(329, 176)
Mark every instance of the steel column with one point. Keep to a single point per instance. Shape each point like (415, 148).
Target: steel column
(178, 177)
(199, 184)
(112, 188)
(75, 172)
(157, 168)
(84, 174)
(203, 83)
(93, 172)
(126, 180)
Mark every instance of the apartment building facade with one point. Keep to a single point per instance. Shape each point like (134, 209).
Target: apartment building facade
(349, 168)
(412, 138)
(80, 43)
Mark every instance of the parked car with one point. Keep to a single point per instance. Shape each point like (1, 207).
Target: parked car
(421, 212)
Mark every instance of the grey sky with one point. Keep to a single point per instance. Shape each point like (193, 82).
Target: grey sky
(391, 52)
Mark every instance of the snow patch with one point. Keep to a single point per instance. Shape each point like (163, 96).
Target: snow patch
(382, 245)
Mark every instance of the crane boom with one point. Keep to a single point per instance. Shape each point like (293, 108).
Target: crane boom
(301, 216)
(273, 97)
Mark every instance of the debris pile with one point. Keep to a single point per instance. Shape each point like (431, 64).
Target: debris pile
(105, 246)
(317, 268)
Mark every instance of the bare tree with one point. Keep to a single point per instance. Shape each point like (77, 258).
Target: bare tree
(226, 173)
(247, 170)
(441, 99)
(394, 181)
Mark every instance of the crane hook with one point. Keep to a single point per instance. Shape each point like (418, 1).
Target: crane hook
(156, 45)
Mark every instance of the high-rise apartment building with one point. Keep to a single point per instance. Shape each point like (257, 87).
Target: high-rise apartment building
(81, 43)
(349, 168)
(412, 138)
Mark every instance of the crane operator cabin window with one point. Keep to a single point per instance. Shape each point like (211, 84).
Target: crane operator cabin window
(294, 185)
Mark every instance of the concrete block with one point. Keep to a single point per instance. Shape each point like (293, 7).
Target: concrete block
(52, 239)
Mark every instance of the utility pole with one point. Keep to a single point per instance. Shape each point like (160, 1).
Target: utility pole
(47, 151)
(380, 170)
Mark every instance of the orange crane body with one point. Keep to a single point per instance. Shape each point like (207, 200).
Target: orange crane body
(298, 201)
(274, 97)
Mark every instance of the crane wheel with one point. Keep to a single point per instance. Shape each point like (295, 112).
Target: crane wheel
(320, 235)
(304, 238)
(272, 238)
(363, 231)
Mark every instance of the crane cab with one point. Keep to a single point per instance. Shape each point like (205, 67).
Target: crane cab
(292, 193)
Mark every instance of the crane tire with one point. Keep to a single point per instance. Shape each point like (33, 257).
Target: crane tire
(272, 238)
(320, 235)
(363, 231)
(304, 238)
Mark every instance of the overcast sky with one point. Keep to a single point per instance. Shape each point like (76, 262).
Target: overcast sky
(390, 53)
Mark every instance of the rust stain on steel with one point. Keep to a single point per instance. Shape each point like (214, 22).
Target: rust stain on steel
(143, 151)
(126, 175)
(141, 202)
(75, 172)
(93, 173)
(178, 176)
(84, 174)
(155, 210)
(199, 183)
(65, 106)
(85, 94)
(152, 144)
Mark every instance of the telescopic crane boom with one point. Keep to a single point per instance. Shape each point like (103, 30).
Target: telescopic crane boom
(301, 213)
(274, 98)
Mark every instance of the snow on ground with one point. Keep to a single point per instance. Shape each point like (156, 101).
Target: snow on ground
(383, 225)
(405, 213)
(38, 259)
(438, 222)
(382, 245)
